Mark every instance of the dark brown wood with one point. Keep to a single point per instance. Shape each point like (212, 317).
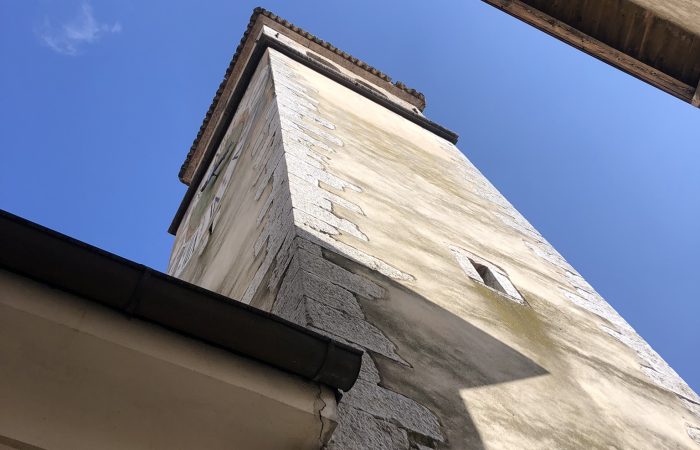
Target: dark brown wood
(696, 98)
(598, 49)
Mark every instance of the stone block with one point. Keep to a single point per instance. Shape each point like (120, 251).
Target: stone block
(358, 430)
(387, 404)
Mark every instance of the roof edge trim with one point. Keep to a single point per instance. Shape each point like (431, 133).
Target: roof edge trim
(263, 43)
(57, 260)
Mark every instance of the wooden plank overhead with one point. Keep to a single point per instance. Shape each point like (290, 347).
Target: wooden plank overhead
(655, 41)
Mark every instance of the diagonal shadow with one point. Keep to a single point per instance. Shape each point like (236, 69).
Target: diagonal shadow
(447, 354)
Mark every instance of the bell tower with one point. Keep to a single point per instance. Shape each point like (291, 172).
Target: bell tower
(319, 191)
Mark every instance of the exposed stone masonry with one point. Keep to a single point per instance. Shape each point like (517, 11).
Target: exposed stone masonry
(318, 293)
(256, 111)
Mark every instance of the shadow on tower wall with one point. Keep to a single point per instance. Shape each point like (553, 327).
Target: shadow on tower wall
(446, 354)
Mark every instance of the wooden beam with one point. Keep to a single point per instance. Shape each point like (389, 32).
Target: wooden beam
(696, 97)
(597, 49)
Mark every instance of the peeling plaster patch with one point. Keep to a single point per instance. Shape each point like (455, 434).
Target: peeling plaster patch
(589, 303)
(368, 370)
(277, 234)
(311, 192)
(304, 151)
(339, 276)
(302, 127)
(325, 221)
(312, 174)
(382, 402)
(358, 331)
(301, 284)
(318, 293)
(519, 223)
(256, 109)
(694, 433)
(360, 431)
(578, 281)
(479, 182)
(503, 209)
(367, 408)
(316, 224)
(313, 205)
(549, 254)
(354, 254)
(276, 157)
(693, 407)
(304, 139)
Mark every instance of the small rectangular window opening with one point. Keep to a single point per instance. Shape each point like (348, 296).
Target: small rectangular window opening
(497, 281)
(487, 277)
(487, 273)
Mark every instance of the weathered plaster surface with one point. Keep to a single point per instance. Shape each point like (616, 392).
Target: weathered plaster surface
(360, 228)
(239, 227)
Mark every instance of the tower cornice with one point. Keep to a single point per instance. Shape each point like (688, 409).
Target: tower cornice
(267, 30)
(324, 53)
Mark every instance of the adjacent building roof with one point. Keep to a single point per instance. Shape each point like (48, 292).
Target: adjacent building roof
(94, 274)
(653, 40)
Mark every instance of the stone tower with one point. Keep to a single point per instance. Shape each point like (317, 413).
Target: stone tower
(320, 192)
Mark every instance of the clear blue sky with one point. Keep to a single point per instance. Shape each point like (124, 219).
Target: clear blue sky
(101, 101)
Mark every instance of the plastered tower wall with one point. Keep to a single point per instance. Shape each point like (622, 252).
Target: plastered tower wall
(228, 240)
(345, 217)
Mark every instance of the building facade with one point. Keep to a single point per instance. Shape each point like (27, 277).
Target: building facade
(319, 191)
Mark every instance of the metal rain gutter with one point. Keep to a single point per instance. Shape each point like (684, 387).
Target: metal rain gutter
(74, 266)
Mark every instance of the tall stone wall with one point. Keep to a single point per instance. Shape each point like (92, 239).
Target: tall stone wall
(240, 220)
(347, 218)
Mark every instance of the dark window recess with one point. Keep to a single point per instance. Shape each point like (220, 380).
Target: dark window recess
(491, 275)
(497, 280)
(488, 277)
